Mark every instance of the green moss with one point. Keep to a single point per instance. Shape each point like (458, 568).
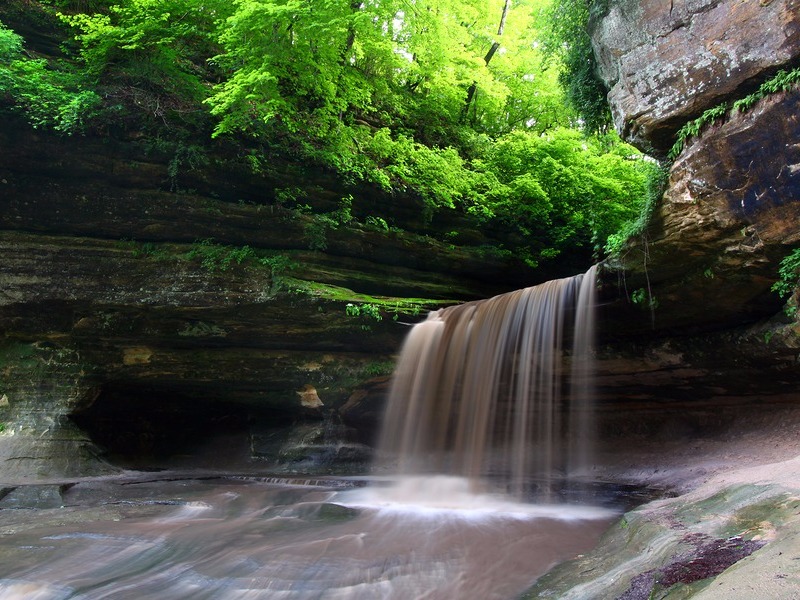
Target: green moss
(379, 368)
(212, 257)
(377, 304)
(789, 280)
(783, 81)
(17, 355)
(760, 517)
(656, 184)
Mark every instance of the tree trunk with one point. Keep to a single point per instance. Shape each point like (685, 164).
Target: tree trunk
(495, 45)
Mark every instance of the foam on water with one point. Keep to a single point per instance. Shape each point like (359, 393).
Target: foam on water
(444, 495)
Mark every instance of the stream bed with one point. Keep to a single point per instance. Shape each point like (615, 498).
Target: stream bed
(178, 535)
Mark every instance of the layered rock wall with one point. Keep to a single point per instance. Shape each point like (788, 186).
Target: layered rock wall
(184, 312)
(667, 62)
(689, 300)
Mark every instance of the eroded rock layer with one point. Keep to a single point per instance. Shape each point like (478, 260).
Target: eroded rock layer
(667, 62)
(157, 317)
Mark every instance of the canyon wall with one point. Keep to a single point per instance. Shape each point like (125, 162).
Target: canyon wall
(158, 309)
(701, 272)
(142, 295)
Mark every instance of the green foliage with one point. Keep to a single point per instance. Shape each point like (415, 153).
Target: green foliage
(376, 223)
(382, 99)
(377, 92)
(185, 158)
(563, 189)
(288, 196)
(47, 97)
(374, 311)
(789, 279)
(399, 163)
(278, 264)
(379, 62)
(149, 250)
(371, 311)
(219, 257)
(344, 214)
(149, 55)
(656, 183)
(316, 232)
(780, 82)
(644, 299)
(694, 127)
(10, 44)
(316, 229)
(379, 368)
(567, 39)
(783, 81)
(85, 6)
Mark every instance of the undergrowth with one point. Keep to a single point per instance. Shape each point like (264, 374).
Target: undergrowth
(789, 279)
(655, 190)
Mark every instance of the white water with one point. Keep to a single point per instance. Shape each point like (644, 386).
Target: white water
(484, 388)
(444, 496)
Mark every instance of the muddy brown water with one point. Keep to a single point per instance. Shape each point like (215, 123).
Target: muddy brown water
(256, 538)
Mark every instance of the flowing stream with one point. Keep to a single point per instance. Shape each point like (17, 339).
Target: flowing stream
(488, 425)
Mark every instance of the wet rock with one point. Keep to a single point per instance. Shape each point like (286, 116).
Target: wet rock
(33, 496)
(689, 545)
(119, 313)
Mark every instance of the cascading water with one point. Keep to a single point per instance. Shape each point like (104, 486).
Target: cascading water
(482, 388)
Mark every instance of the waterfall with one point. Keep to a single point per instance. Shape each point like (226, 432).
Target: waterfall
(487, 388)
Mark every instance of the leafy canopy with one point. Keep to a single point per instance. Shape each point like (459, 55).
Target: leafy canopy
(452, 100)
(48, 98)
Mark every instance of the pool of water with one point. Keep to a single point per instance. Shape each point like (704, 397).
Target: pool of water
(245, 537)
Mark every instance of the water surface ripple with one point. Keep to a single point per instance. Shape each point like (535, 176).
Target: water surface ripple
(228, 538)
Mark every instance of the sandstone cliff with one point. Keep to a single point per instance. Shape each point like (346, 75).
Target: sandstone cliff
(159, 308)
(702, 270)
(704, 380)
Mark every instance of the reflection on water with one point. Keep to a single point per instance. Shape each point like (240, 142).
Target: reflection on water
(246, 538)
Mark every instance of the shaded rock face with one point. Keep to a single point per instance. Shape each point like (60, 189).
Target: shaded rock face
(123, 329)
(667, 62)
(729, 215)
(692, 339)
(732, 203)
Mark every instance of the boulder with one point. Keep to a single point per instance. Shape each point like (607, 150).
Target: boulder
(727, 218)
(667, 62)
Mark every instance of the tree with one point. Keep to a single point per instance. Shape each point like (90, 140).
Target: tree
(46, 97)
(489, 55)
(376, 90)
(149, 55)
(567, 40)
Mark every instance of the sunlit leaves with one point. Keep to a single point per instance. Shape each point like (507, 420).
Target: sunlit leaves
(157, 45)
(374, 90)
(46, 97)
(566, 41)
(562, 187)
